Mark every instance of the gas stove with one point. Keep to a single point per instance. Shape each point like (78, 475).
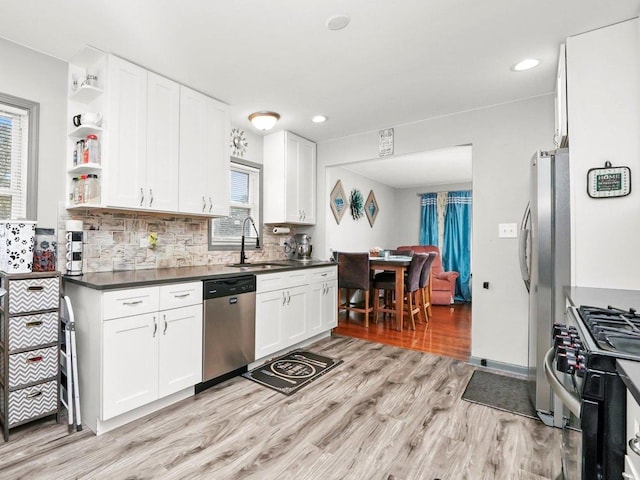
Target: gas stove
(613, 329)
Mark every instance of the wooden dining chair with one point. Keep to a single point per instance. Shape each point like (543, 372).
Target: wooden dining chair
(411, 303)
(425, 286)
(353, 274)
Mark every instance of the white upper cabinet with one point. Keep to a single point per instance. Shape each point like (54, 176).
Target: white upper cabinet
(561, 132)
(289, 179)
(127, 139)
(163, 128)
(164, 146)
(204, 155)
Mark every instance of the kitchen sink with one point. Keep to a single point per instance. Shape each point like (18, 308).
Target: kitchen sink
(258, 265)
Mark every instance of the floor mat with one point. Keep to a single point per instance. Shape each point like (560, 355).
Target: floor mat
(289, 373)
(499, 391)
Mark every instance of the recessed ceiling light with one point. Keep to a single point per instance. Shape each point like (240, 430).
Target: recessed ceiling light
(337, 22)
(526, 64)
(319, 119)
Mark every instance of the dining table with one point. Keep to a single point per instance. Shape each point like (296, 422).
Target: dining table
(397, 264)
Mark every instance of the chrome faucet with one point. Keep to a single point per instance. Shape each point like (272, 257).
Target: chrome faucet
(243, 257)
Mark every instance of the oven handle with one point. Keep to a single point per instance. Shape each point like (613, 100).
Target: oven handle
(569, 399)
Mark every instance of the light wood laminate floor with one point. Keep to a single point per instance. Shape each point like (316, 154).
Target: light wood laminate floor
(385, 413)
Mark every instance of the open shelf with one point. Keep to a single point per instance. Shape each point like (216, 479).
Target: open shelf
(83, 130)
(86, 94)
(84, 168)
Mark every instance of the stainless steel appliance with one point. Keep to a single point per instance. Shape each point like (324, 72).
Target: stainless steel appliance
(303, 246)
(229, 325)
(600, 327)
(545, 256)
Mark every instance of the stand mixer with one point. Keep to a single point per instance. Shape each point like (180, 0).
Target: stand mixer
(302, 247)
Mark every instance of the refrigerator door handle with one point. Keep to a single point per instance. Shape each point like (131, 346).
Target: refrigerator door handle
(524, 238)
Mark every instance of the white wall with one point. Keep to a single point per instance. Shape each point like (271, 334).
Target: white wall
(357, 235)
(40, 78)
(603, 73)
(504, 138)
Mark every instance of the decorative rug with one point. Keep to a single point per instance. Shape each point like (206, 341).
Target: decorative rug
(501, 392)
(291, 372)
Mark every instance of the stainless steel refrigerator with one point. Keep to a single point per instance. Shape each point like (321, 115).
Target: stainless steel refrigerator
(545, 261)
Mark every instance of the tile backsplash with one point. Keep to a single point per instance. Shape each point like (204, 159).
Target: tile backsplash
(111, 241)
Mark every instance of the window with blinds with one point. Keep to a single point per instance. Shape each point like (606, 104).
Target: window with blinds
(14, 155)
(226, 232)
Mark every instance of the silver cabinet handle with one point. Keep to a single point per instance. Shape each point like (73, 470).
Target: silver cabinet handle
(184, 295)
(136, 302)
(288, 297)
(155, 327)
(210, 204)
(150, 197)
(141, 196)
(634, 444)
(164, 317)
(204, 204)
(284, 298)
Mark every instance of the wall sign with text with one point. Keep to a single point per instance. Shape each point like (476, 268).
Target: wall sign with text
(385, 142)
(609, 182)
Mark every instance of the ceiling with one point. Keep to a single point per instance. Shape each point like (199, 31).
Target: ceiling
(436, 167)
(398, 61)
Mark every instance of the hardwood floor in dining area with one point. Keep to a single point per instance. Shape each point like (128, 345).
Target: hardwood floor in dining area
(447, 333)
(385, 413)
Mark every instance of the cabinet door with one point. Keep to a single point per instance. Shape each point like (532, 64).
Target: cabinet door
(307, 181)
(163, 131)
(329, 308)
(292, 212)
(294, 313)
(561, 99)
(315, 306)
(180, 349)
(269, 306)
(126, 149)
(204, 155)
(129, 363)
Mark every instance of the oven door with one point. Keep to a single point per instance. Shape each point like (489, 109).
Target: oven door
(565, 389)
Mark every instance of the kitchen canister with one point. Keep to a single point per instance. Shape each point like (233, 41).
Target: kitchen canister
(45, 250)
(17, 239)
(74, 247)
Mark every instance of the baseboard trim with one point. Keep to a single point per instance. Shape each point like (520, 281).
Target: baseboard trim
(517, 370)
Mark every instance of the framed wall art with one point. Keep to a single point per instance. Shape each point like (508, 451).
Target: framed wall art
(371, 208)
(338, 201)
(356, 203)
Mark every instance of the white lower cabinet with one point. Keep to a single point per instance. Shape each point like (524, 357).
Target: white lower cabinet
(294, 306)
(145, 347)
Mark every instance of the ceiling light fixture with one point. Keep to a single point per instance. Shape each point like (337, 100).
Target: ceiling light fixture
(337, 22)
(526, 64)
(319, 119)
(264, 120)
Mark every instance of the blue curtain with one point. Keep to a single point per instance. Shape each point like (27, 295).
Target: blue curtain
(456, 252)
(429, 219)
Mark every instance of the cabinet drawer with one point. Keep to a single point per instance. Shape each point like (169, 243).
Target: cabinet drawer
(32, 402)
(323, 274)
(33, 330)
(180, 295)
(124, 303)
(32, 366)
(276, 281)
(35, 294)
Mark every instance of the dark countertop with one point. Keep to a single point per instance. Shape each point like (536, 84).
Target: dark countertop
(630, 373)
(602, 297)
(139, 278)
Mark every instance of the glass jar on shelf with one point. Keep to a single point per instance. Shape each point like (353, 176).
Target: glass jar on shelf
(92, 150)
(92, 189)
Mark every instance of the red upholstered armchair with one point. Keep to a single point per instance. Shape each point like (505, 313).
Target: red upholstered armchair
(443, 284)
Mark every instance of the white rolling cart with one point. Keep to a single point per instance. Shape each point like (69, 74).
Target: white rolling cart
(70, 390)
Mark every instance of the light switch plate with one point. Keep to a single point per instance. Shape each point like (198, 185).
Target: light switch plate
(508, 230)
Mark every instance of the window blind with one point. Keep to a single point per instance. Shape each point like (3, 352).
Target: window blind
(14, 135)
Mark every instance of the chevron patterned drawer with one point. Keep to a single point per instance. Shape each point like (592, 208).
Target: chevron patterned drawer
(31, 402)
(32, 366)
(34, 294)
(33, 330)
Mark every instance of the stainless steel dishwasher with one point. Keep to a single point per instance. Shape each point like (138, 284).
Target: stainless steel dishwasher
(229, 325)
